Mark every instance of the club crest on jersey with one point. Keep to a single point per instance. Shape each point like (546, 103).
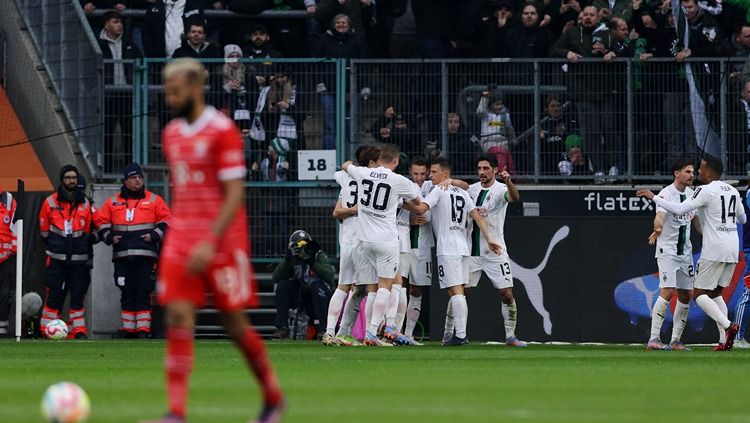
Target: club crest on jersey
(201, 148)
(6, 219)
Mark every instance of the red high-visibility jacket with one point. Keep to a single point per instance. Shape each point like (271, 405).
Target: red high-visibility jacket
(66, 227)
(131, 218)
(7, 226)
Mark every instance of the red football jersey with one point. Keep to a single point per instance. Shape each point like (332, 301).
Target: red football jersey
(200, 156)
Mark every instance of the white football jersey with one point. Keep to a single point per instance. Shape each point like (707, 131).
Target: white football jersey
(450, 215)
(379, 191)
(348, 197)
(720, 210)
(674, 241)
(422, 238)
(402, 220)
(492, 204)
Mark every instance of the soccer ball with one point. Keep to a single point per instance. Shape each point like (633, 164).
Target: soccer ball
(31, 304)
(65, 402)
(57, 330)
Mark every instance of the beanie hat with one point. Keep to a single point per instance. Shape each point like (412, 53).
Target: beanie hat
(229, 49)
(280, 146)
(573, 141)
(68, 168)
(132, 169)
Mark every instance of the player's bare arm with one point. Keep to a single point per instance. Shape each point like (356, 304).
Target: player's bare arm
(201, 255)
(346, 164)
(340, 212)
(513, 193)
(494, 246)
(697, 224)
(416, 206)
(658, 226)
(444, 185)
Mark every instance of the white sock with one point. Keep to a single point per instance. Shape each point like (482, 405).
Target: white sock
(712, 310)
(657, 317)
(401, 310)
(450, 322)
(510, 315)
(679, 320)
(460, 314)
(351, 311)
(412, 314)
(390, 312)
(334, 308)
(723, 307)
(368, 308)
(379, 306)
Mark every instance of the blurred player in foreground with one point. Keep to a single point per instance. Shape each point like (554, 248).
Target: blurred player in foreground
(719, 208)
(207, 246)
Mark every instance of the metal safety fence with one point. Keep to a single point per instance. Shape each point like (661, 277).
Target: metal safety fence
(550, 120)
(73, 59)
(544, 120)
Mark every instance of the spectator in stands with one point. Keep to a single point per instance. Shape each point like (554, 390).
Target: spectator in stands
(303, 279)
(340, 41)
(589, 85)
(575, 163)
(461, 149)
(526, 40)
(739, 138)
(233, 75)
(497, 133)
(609, 9)
(196, 46)
(359, 12)
(554, 130)
(705, 39)
(393, 128)
(118, 105)
(566, 16)
(165, 23)
(91, 5)
(274, 205)
(281, 99)
(259, 46)
(741, 44)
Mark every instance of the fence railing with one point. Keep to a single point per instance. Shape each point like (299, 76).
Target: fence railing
(74, 62)
(545, 120)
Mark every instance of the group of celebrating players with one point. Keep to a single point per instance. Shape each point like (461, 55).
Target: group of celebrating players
(389, 225)
(714, 209)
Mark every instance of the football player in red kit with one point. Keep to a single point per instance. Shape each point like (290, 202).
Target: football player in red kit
(206, 248)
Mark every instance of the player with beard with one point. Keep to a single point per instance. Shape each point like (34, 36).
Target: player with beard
(207, 246)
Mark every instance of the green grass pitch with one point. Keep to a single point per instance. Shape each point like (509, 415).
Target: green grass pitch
(479, 383)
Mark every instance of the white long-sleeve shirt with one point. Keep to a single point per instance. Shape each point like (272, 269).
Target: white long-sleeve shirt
(720, 209)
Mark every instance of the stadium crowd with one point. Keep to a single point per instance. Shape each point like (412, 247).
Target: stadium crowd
(583, 132)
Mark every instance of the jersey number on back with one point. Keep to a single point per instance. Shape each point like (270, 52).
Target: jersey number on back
(353, 193)
(379, 198)
(457, 208)
(729, 210)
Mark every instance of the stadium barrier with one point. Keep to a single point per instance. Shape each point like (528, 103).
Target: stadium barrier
(558, 122)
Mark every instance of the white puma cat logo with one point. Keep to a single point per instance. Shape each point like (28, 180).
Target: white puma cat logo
(532, 282)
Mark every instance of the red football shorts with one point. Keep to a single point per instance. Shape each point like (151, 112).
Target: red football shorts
(229, 278)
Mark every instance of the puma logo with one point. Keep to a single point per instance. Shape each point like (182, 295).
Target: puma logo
(532, 282)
